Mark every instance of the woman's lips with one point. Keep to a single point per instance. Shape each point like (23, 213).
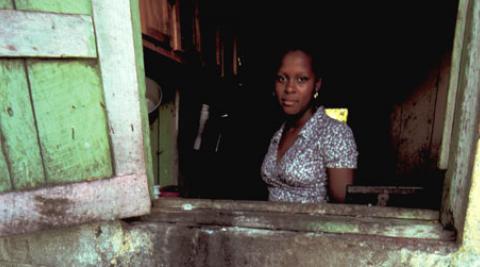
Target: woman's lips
(288, 103)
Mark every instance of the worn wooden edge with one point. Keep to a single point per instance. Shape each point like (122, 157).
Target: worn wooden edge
(465, 128)
(38, 34)
(453, 83)
(140, 71)
(334, 224)
(64, 205)
(296, 208)
(116, 52)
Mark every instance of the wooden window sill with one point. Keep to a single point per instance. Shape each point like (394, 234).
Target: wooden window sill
(311, 218)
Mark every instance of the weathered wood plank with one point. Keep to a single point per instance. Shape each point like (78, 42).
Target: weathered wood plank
(6, 4)
(167, 144)
(72, 125)
(140, 71)
(63, 205)
(440, 106)
(5, 180)
(83, 7)
(416, 131)
(296, 208)
(465, 125)
(116, 52)
(156, 17)
(307, 223)
(402, 190)
(34, 34)
(155, 148)
(458, 44)
(20, 141)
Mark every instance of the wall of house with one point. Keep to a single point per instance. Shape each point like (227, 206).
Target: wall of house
(118, 243)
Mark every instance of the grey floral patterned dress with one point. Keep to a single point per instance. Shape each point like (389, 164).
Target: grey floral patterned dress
(301, 175)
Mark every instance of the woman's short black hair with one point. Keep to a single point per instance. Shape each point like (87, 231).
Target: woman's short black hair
(305, 48)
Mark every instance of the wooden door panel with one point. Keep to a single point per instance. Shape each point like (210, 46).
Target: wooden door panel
(17, 128)
(71, 119)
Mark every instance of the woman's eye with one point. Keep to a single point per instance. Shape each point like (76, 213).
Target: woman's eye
(281, 79)
(302, 79)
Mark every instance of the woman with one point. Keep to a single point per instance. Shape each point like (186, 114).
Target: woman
(311, 157)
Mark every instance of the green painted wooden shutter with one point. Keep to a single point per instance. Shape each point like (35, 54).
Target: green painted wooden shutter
(72, 119)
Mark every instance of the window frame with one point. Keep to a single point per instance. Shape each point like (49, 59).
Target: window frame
(463, 102)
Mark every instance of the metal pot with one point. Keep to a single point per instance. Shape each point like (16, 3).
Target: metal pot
(153, 94)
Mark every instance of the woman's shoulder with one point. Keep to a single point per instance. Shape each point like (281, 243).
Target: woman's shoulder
(328, 125)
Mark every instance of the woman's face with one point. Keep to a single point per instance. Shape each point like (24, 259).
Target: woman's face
(296, 83)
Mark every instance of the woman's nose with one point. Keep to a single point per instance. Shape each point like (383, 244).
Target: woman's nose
(289, 87)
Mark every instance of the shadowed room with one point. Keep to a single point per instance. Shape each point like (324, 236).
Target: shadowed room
(387, 64)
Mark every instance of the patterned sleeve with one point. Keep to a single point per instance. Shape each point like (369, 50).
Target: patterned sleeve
(341, 150)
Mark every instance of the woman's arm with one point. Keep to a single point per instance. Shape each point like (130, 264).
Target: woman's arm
(338, 179)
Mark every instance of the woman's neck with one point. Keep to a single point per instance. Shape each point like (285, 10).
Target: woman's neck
(296, 122)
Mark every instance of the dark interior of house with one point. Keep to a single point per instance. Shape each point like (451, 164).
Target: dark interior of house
(383, 61)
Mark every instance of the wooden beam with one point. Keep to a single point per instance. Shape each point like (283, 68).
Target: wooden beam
(140, 72)
(296, 208)
(164, 52)
(64, 205)
(298, 222)
(465, 125)
(453, 84)
(35, 34)
(120, 84)
(175, 33)
(400, 190)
